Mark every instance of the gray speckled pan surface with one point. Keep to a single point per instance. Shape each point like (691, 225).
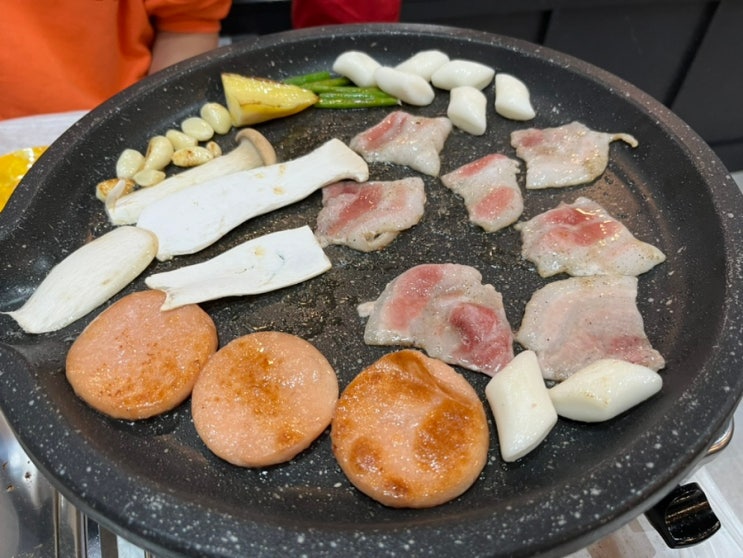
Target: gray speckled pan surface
(155, 483)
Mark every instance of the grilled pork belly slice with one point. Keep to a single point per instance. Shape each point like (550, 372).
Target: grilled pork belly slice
(370, 215)
(489, 189)
(446, 310)
(582, 238)
(404, 139)
(564, 156)
(576, 321)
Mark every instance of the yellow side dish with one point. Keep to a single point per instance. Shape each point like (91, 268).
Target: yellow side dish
(252, 100)
(13, 167)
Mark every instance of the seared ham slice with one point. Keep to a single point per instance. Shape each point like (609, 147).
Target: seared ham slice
(410, 431)
(445, 310)
(490, 191)
(574, 322)
(370, 215)
(564, 156)
(404, 139)
(583, 239)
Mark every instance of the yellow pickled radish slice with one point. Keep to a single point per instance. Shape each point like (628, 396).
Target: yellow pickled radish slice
(13, 167)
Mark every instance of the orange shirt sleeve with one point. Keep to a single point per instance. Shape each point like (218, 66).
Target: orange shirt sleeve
(73, 55)
(188, 16)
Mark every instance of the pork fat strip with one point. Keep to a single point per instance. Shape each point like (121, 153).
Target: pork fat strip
(445, 310)
(565, 156)
(581, 239)
(369, 216)
(404, 139)
(490, 191)
(576, 321)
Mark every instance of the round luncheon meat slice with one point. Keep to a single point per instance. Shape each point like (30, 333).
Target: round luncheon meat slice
(263, 398)
(135, 361)
(410, 431)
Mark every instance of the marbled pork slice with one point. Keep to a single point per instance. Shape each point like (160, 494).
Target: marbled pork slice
(405, 139)
(564, 156)
(369, 216)
(576, 321)
(583, 239)
(488, 186)
(447, 311)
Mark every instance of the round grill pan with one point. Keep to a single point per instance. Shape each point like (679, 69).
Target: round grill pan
(155, 483)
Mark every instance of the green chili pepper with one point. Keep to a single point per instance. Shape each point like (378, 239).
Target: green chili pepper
(343, 101)
(308, 78)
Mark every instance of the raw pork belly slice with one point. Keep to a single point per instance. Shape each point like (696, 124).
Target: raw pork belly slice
(404, 139)
(573, 322)
(445, 310)
(564, 156)
(490, 191)
(583, 239)
(369, 216)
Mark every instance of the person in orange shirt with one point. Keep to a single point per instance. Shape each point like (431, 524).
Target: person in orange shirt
(73, 55)
(60, 56)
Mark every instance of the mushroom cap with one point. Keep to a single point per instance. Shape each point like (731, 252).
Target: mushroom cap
(262, 148)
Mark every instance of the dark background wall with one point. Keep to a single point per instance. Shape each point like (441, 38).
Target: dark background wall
(688, 54)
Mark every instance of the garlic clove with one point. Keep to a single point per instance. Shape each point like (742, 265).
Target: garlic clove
(257, 266)
(147, 178)
(198, 128)
(87, 278)
(159, 152)
(180, 139)
(217, 116)
(130, 162)
(121, 187)
(192, 156)
(521, 405)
